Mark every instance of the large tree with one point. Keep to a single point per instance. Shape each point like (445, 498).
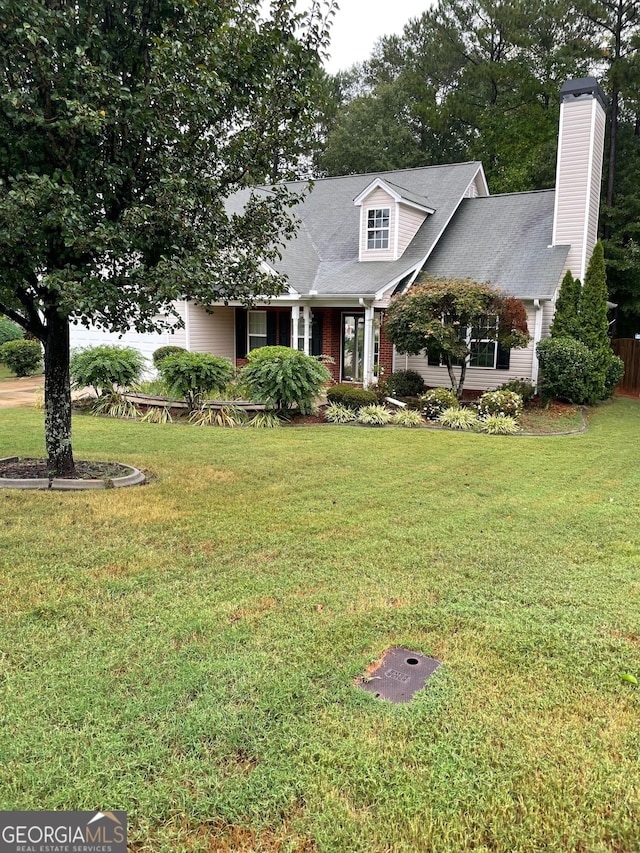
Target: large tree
(124, 128)
(450, 319)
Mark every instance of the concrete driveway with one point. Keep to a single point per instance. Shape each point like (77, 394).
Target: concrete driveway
(20, 392)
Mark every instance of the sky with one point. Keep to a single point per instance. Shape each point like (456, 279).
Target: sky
(358, 24)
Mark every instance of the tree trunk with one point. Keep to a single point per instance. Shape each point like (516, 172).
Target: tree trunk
(57, 396)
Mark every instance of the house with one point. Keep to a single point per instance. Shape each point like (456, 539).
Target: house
(364, 238)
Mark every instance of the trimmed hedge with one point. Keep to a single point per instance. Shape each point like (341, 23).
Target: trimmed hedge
(353, 398)
(163, 352)
(405, 383)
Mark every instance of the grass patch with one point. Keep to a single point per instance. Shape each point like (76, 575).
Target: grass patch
(186, 651)
(5, 373)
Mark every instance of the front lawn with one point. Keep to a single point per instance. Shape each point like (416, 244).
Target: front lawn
(186, 651)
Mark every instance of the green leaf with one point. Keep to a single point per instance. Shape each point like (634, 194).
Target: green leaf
(630, 679)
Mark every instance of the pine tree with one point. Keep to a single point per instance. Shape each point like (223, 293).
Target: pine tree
(565, 320)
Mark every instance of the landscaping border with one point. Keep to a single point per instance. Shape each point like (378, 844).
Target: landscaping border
(60, 484)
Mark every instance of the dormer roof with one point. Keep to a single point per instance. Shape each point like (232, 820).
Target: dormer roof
(399, 194)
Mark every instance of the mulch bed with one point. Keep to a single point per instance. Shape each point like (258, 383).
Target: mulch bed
(35, 469)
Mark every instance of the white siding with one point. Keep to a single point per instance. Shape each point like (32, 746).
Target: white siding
(579, 171)
(145, 342)
(409, 220)
(214, 333)
(377, 199)
(477, 379)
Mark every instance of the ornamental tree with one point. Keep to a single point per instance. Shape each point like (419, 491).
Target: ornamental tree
(445, 318)
(124, 129)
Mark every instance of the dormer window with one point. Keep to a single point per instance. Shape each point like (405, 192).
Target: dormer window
(378, 228)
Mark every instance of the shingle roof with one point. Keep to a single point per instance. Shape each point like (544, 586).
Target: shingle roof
(324, 254)
(503, 239)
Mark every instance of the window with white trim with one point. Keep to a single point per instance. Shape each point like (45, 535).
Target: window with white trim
(257, 329)
(378, 228)
(483, 344)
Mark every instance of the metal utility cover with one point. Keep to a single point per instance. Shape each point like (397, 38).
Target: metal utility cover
(399, 675)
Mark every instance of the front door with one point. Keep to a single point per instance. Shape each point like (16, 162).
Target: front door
(352, 347)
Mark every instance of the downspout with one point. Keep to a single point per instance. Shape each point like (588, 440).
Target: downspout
(537, 336)
(187, 326)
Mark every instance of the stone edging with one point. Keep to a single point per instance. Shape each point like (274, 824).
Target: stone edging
(135, 478)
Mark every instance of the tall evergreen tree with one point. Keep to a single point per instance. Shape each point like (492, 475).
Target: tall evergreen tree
(593, 327)
(565, 319)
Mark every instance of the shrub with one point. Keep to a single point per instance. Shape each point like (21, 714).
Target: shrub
(436, 400)
(524, 387)
(115, 406)
(9, 331)
(162, 352)
(283, 377)
(22, 357)
(192, 375)
(353, 398)
(405, 383)
(336, 413)
(614, 371)
(265, 420)
(568, 371)
(459, 418)
(157, 415)
(407, 418)
(501, 403)
(226, 416)
(500, 425)
(374, 415)
(106, 368)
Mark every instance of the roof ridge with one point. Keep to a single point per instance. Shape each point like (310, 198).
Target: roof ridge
(519, 192)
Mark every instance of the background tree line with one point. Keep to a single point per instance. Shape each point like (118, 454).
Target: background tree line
(479, 80)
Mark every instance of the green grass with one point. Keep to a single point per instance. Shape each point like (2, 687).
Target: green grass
(186, 651)
(5, 373)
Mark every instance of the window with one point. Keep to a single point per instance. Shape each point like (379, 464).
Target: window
(257, 329)
(483, 346)
(378, 228)
(484, 349)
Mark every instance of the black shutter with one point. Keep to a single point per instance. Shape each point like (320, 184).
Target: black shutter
(433, 360)
(284, 333)
(504, 357)
(316, 335)
(241, 332)
(272, 328)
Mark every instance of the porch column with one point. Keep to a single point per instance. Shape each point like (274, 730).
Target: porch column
(367, 355)
(295, 317)
(306, 313)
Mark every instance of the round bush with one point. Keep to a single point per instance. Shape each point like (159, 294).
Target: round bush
(162, 353)
(405, 383)
(106, 368)
(568, 371)
(283, 377)
(459, 418)
(22, 357)
(353, 398)
(192, 375)
(500, 425)
(9, 331)
(614, 373)
(436, 400)
(505, 404)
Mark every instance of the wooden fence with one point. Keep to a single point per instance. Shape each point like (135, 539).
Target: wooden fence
(629, 351)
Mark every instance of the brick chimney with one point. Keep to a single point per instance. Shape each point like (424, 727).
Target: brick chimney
(579, 170)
